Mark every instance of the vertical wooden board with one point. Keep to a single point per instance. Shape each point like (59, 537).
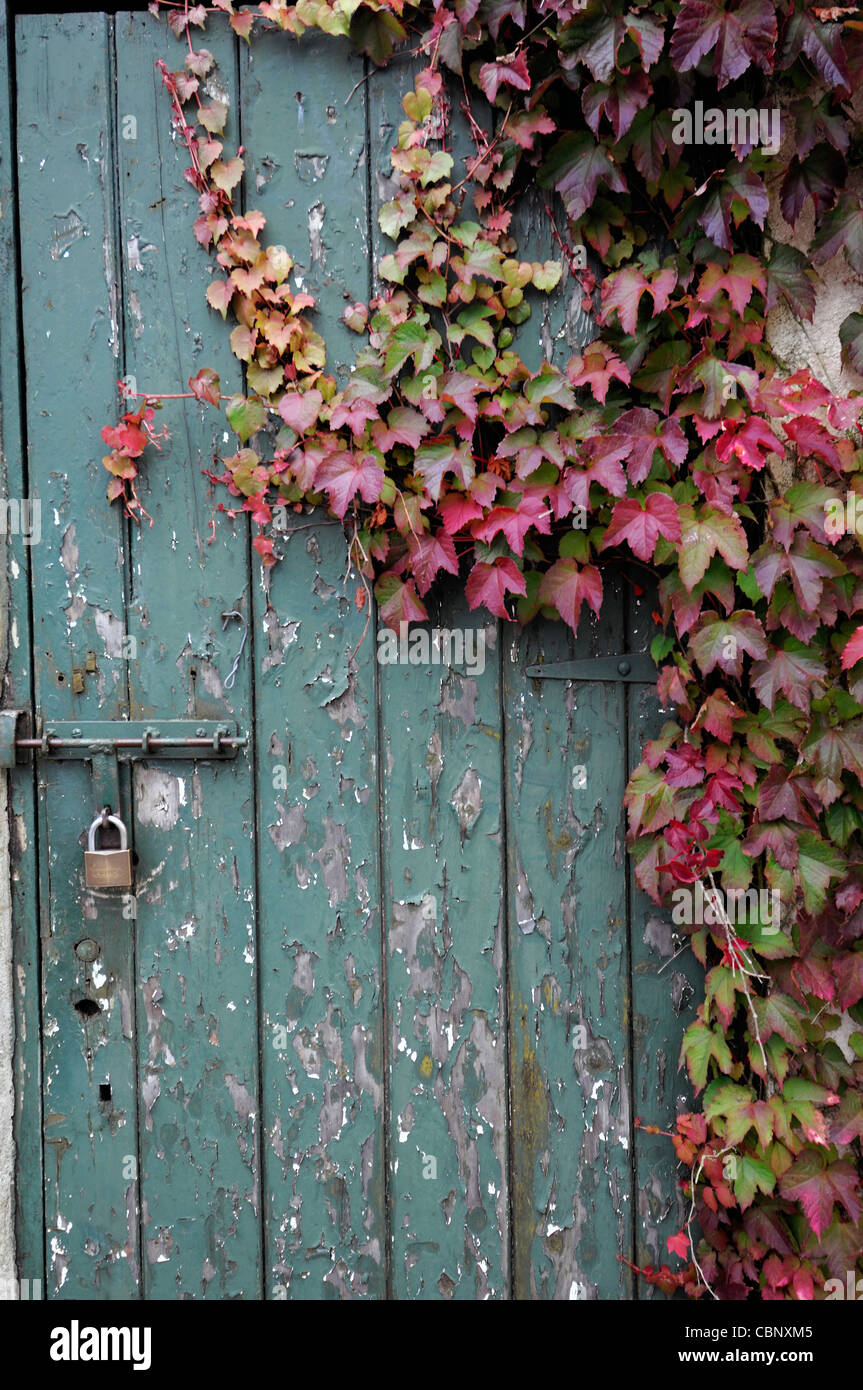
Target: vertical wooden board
(443, 877)
(72, 348)
(17, 554)
(568, 967)
(665, 995)
(559, 327)
(316, 723)
(304, 128)
(321, 972)
(71, 335)
(196, 942)
(443, 867)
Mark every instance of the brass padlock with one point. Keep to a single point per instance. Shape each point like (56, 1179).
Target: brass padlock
(107, 868)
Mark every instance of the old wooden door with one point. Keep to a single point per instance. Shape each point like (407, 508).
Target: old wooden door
(382, 1009)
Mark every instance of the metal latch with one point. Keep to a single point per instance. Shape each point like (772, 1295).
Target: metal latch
(630, 667)
(105, 743)
(129, 738)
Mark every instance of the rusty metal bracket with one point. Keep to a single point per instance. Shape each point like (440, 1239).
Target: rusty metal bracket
(632, 667)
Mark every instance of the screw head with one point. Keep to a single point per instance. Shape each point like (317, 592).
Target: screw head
(200, 733)
(76, 733)
(624, 668)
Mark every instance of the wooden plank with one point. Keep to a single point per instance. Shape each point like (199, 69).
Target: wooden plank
(443, 857)
(196, 947)
(71, 335)
(321, 970)
(16, 555)
(559, 327)
(568, 968)
(665, 996)
(443, 890)
(304, 127)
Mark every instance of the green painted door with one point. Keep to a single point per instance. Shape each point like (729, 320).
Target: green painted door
(383, 1006)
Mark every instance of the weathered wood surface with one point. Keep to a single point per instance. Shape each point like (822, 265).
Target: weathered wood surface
(390, 1003)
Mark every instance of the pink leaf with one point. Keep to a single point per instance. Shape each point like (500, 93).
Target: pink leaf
(429, 555)
(398, 601)
(300, 410)
(489, 584)
(566, 587)
(511, 74)
(345, 474)
(852, 652)
(642, 527)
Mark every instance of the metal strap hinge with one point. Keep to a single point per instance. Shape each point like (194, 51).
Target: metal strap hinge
(630, 667)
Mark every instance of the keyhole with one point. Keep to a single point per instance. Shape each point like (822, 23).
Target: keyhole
(87, 1008)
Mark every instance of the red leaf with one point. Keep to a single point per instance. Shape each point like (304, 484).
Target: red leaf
(456, 510)
(852, 652)
(345, 474)
(848, 969)
(744, 36)
(488, 584)
(127, 439)
(219, 295)
(642, 527)
(595, 368)
(511, 74)
(623, 290)
(566, 587)
(429, 555)
(818, 1187)
(533, 510)
(264, 547)
(398, 601)
(747, 441)
(205, 385)
(679, 1244)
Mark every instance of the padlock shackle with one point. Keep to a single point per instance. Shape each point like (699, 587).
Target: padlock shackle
(101, 820)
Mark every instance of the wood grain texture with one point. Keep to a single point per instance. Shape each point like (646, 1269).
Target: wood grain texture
(569, 968)
(321, 969)
(71, 308)
(17, 557)
(196, 944)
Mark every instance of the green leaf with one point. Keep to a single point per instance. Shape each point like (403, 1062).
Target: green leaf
(245, 416)
(375, 33)
(704, 532)
(751, 1176)
(818, 863)
(701, 1044)
(396, 215)
(546, 276)
(473, 321)
(411, 339)
(226, 175)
